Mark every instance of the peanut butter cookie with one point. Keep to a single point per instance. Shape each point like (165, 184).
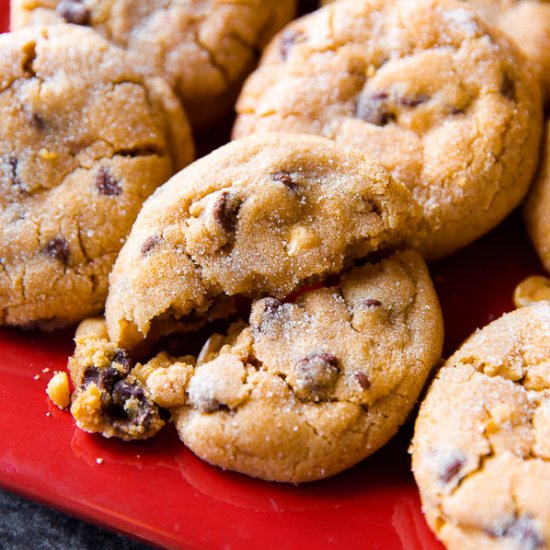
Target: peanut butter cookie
(260, 216)
(481, 449)
(204, 49)
(427, 87)
(84, 140)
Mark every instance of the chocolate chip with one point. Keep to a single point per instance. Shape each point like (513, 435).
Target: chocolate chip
(226, 211)
(141, 414)
(456, 111)
(122, 358)
(508, 88)
(149, 244)
(316, 376)
(289, 38)
(109, 377)
(124, 391)
(38, 122)
(104, 379)
(452, 467)
(271, 306)
(73, 11)
(414, 101)
(265, 313)
(525, 532)
(58, 249)
(285, 179)
(374, 109)
(14, 178)
(91, 376)
(363, 379)
(371, 303)
(106, 184)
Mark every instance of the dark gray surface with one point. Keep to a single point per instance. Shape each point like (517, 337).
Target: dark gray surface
(25, 525)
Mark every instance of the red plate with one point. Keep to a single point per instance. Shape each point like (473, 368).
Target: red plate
(161, 493)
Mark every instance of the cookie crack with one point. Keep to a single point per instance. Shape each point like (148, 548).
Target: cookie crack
(211, 58)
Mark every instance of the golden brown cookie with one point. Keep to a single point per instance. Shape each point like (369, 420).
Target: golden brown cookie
(481, 449)
(304, 390)
(447, 102)
(260, 216)
(537, 208)
(84, 140)
(204, 49)
(312, 387)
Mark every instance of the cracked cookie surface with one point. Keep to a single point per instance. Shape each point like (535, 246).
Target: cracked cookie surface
(447, 102)
(481, 446)
(311, 387)
(84, 140)
(204, 49)
(528, 23)
(537, 208)
(261, 216)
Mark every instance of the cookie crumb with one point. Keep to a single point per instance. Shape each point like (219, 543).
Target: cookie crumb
(36, 377)
(533, 289)
(46, 370)
(99, 460)
(58, 390)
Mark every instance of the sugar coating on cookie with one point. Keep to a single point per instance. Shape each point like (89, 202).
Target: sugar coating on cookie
(84, 140)
(311, 387)
(204, 49)
(537, 208)
(527, 22)
(260, 216)
(481, 449)
(447, 102)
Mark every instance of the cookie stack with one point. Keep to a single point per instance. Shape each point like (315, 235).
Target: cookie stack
(373, 136)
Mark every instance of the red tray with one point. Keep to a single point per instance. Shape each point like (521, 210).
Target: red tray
(161, 493)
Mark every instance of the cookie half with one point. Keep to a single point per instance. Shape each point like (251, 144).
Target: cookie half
(84, 140)
(537, 208)
(427, 87)
(481, 453)
(204, 50)
(261, 216)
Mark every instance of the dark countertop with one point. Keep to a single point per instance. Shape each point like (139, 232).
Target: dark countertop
(25, 525)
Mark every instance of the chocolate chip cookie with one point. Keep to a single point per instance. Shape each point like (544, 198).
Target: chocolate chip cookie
(447, 102)
(84, 140)
(537, 208)
(260, 216)
(481, 449)
(204, 49)
(304, 390)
